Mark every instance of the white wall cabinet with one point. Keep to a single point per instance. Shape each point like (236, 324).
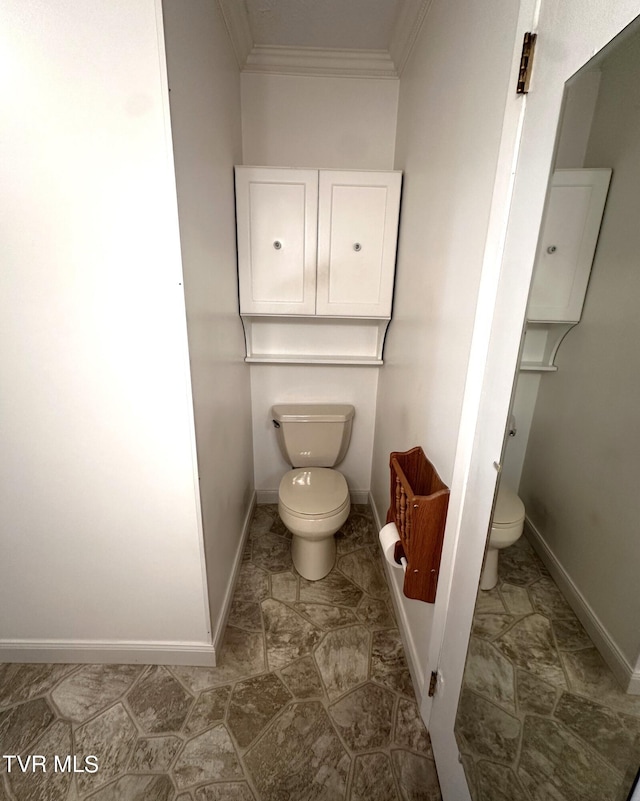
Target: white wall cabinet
(357, 238)
(568, 244)
(318, 245)
(277, 220)
(568, 240)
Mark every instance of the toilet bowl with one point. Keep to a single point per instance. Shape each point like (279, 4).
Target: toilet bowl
(313, 498)
(313, 503)
(506, 528)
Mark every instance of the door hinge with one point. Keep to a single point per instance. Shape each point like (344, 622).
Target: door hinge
(526, 63)
(433, 683)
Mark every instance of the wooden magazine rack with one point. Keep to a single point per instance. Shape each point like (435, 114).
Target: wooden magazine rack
(419, 502)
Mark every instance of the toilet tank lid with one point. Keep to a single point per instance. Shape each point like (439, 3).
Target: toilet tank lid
(312, 412)
(509, 508)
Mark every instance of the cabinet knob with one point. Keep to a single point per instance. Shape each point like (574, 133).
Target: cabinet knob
(551, 249)
(357, 247)
(277, 244)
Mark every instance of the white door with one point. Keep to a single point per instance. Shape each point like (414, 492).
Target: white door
(357, 238)
(569, 34)
(568, 244)
(277, 213)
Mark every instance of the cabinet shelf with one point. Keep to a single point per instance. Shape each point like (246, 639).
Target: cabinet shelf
(541, 342)
(537, 367)
(264, 358)
(272, 339)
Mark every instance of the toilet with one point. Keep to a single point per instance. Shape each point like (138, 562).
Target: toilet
(313, 498)
(506, 528)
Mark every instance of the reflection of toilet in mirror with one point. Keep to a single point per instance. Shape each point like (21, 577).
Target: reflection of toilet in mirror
(506, 528)
(313, 499)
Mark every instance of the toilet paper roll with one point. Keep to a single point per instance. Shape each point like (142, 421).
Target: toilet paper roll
(388, 538)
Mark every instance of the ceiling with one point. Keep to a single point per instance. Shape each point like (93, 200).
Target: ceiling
(354, 24)
(324, 37)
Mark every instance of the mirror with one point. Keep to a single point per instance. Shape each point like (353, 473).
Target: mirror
(550, 705)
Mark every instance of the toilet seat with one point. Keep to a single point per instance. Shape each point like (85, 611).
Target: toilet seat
(509, 509)
(313, 492)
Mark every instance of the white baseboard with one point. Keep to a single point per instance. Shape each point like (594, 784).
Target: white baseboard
(108, 652)
(359, 496)
(271, 496)
(620, 666)
(128, 653)
(395, 579)
(218, 634)
(266, 496)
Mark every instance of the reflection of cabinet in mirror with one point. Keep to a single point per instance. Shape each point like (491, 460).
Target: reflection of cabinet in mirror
(565, 254)
(317, 247)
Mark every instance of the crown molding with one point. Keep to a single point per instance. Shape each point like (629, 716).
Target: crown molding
(325, 61)
(237, 25)
(318, 61)
(405, 33)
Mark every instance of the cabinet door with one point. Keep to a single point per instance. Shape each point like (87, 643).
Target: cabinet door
(568, 243)
(357, 238)
(277, 235)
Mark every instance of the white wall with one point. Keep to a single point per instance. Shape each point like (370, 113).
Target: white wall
(313, 121)
(335, 123)
(579, 481)
(522, 411)
(205, 117)
(580, 100)
(450, 117)
(313, 384)
(99, 516)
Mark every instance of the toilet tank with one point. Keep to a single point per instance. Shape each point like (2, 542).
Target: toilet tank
(313, 434)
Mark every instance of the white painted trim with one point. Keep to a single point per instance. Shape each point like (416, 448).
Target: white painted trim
(483, 420)
(633, 687)
(405, 33)
(318, 61)
(231, 584)
(237, 25)
(266, 496)
(110, 652)
(620, 666)
(394, 579)
(360, 496)
(271, 496)
(635, 791)
(107, 652)
(181, 300)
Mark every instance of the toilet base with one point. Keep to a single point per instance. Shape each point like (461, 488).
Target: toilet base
(489, 577)
(313, 558)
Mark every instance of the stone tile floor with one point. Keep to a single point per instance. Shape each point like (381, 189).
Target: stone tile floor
(541, 716)
(312, 700)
